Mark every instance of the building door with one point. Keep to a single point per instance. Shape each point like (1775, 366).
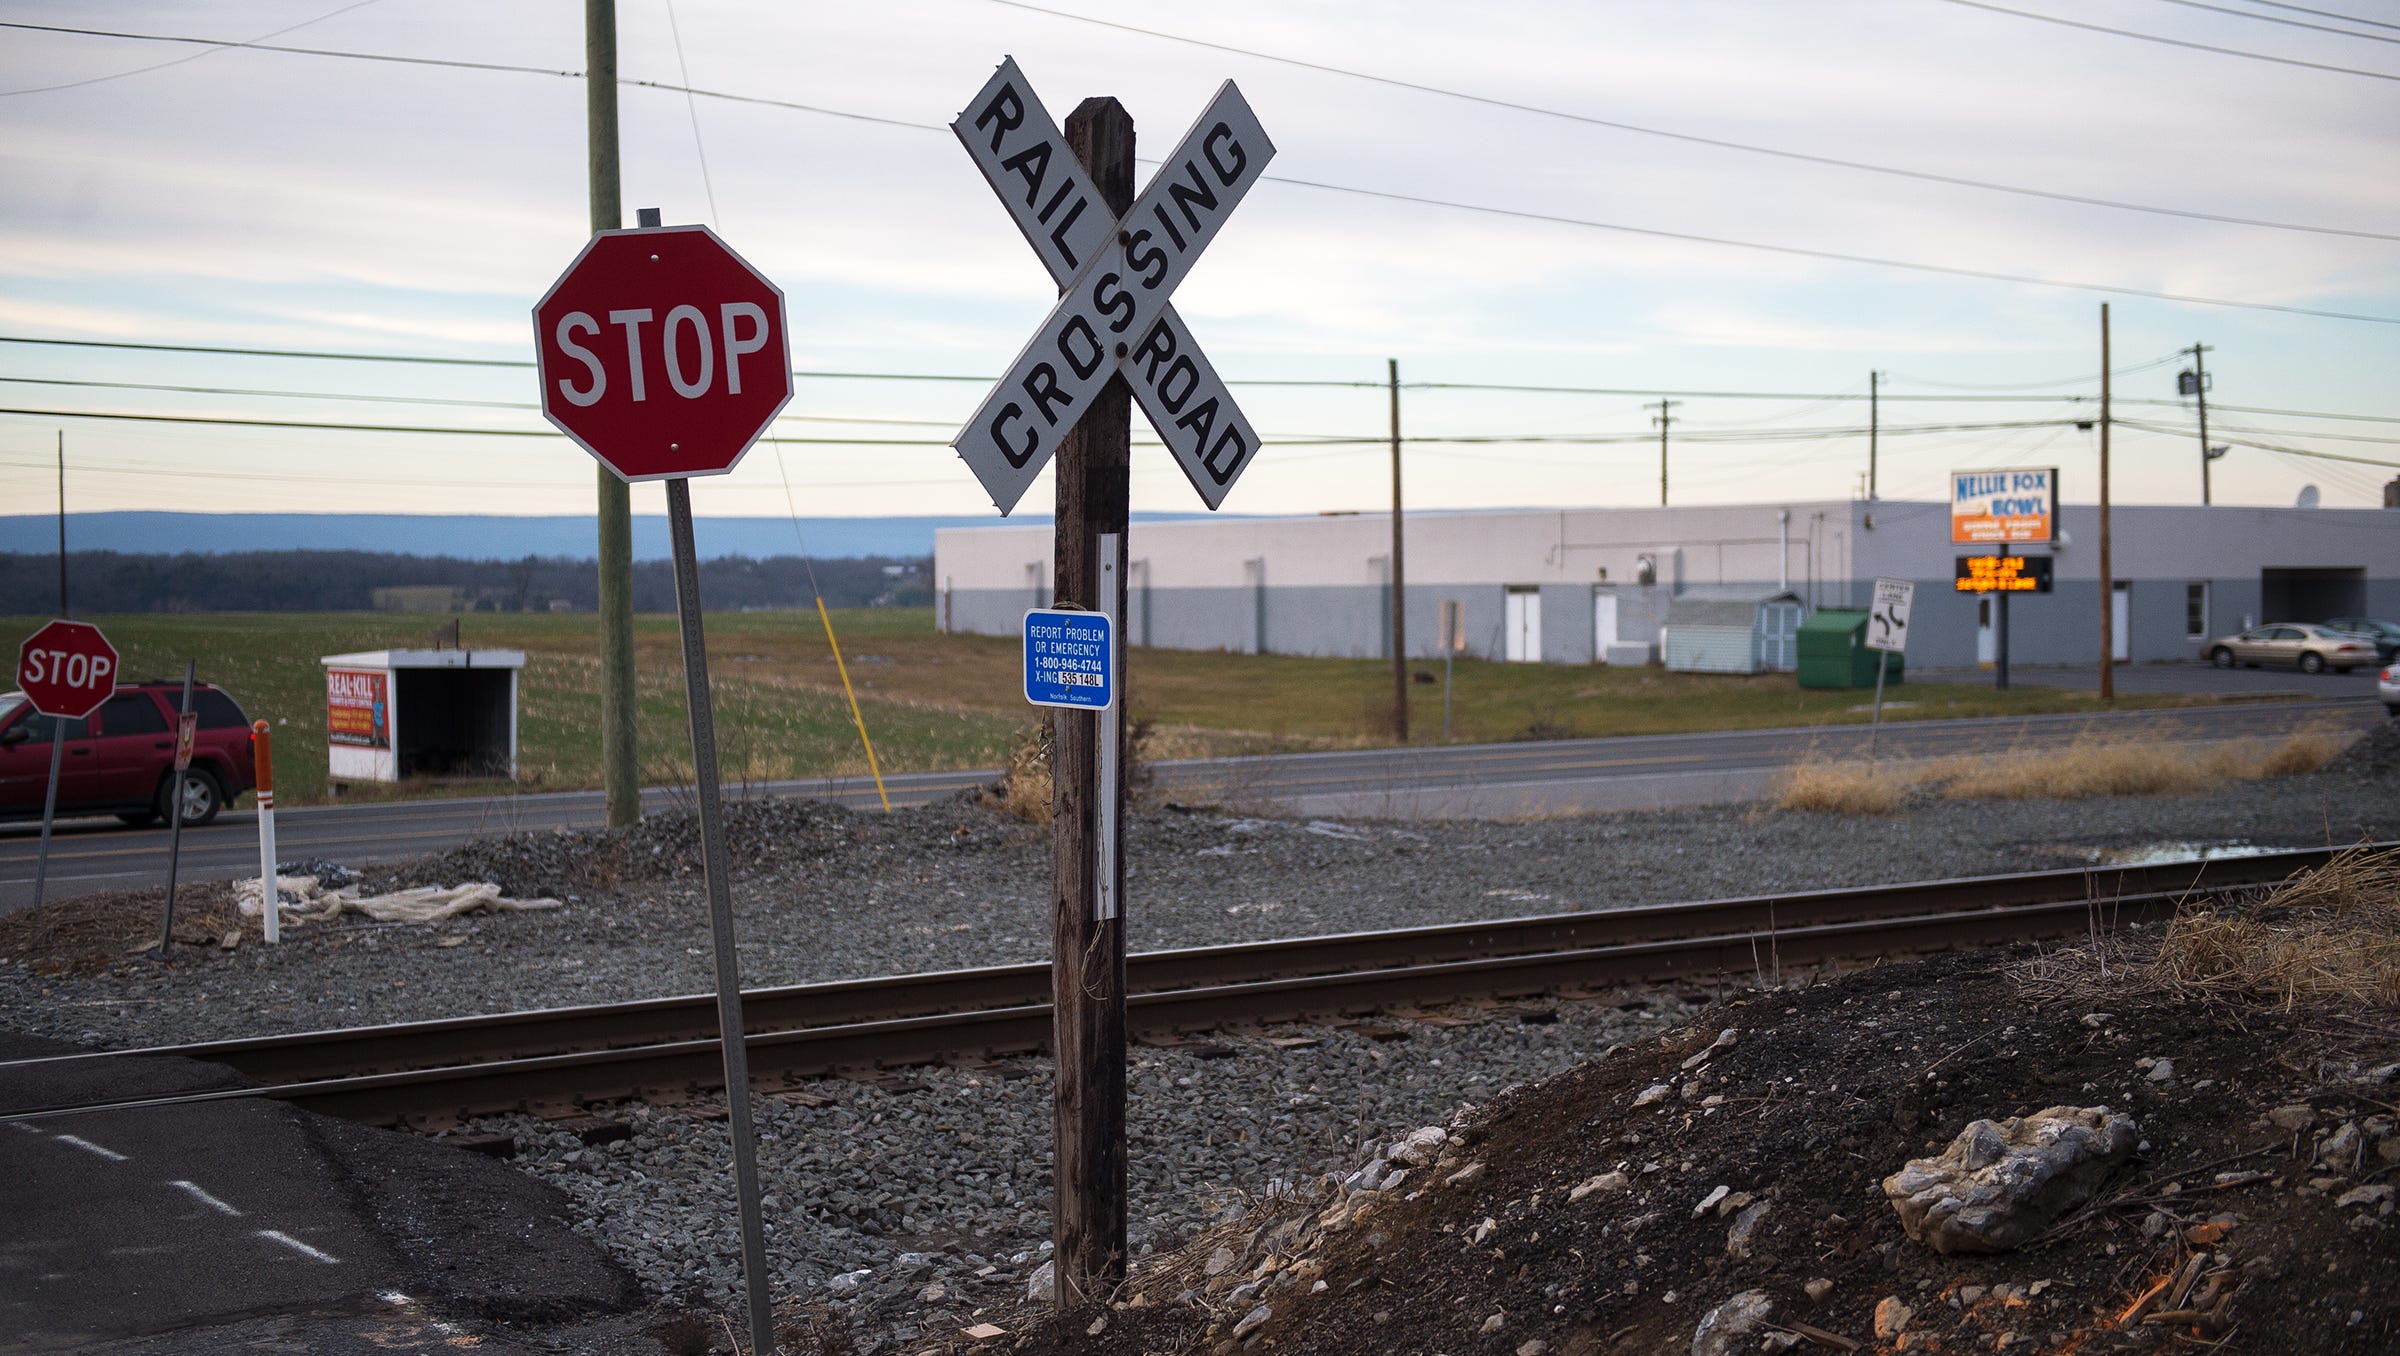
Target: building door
(1604, 624)
(2120, 623)
(1987, 644)
(1523, 640)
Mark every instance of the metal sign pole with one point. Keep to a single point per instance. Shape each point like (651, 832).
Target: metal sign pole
(1883, 661)
(58, 752)
(183, 761)
(1105, 904)
(720, 918)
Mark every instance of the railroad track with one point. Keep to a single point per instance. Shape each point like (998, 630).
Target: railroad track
(438, 1072)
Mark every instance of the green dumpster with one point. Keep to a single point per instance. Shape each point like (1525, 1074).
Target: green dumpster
(1834, 653)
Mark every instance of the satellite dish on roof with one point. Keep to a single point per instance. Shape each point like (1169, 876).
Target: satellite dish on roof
(2308, 496)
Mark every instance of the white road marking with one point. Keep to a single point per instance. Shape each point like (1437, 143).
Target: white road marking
(87, 1146)
(279, 1236)
(193, 1190)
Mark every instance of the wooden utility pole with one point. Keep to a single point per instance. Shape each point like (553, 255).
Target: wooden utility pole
(1399, 575)
(2108, 584)
(620, 773)
(1663, 418)
(62, 524)
(2200, 389)
(1874, 427)
(1087, 950)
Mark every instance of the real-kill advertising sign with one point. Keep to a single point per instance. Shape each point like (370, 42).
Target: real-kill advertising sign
(1995, 507)
(358, 708)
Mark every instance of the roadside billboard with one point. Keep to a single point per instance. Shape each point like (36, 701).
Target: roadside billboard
(1999, 507)
(358, 708)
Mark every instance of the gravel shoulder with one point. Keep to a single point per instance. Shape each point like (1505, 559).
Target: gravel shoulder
(900, 1208)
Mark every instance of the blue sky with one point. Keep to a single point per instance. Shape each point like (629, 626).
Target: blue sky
(262, 199)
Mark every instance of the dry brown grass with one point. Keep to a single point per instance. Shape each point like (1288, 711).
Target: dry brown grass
(2333, 933)
(2086, 768)
(1841, 788)
(2113, 767)
(1023, 791)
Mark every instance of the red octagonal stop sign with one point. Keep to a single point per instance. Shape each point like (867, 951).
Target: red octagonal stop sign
(67, 668)
(662, 352)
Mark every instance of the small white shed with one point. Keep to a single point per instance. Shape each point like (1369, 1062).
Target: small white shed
(1733, 633)
(393, 714)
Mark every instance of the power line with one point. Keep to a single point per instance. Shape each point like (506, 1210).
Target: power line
(1720, 143)
(503, 66)
(2274, 19)
(177, 61)
(1833, 255)
(2173, 42)
(2265, 447)
(1513, 213)
(1311, 383)
(2325, 14)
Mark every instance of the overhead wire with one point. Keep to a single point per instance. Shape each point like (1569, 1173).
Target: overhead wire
(1421, 200)
(1720, 143)
(2326, 14)
(2173, 42)
(2278, 19)
(178, 61)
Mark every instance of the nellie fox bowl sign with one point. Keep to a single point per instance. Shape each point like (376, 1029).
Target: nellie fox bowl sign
(662, 352)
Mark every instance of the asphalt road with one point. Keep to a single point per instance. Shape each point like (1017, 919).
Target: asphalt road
(1485, 780)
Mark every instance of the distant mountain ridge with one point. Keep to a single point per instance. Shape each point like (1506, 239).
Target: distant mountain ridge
(480, 536)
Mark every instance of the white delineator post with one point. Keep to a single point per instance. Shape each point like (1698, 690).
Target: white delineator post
(270, 899)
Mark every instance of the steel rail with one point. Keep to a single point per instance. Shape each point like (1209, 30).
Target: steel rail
(349, 1052)
(687, 1069)
(658, 1050)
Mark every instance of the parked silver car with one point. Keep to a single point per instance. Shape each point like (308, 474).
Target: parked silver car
(2313, 648)
(2387, 686)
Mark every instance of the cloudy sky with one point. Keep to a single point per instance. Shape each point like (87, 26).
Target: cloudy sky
(1630, 198)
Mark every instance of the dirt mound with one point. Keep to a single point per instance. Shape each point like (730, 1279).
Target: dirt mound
(1613, 1208)
(92, 932)
(769, 833)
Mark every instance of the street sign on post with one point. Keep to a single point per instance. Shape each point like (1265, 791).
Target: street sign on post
(1112, 339)
(1887, 622)
(66, 669)
(662, 352)
(1887, 635)
(666, 356)
(1070, 659)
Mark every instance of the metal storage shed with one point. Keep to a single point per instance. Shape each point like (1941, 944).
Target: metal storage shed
(1742, 633)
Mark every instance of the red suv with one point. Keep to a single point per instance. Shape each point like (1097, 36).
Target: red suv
(121, 759)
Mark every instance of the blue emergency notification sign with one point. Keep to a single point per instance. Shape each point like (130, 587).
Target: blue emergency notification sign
(1070, 659)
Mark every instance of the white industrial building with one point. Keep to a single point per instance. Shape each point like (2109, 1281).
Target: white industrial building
(1600, 585)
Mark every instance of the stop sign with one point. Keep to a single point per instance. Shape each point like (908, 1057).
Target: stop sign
(662, 352)
(67, 668)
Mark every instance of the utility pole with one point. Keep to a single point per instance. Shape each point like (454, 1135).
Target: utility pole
(1087, 938)
(2108, 584)
(1874, 428)
(1663, 418)
(618, 753)
(1399, 575)
(62, 523)
(2199, 383)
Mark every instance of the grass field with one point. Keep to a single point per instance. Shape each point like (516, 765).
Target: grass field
(942, 702)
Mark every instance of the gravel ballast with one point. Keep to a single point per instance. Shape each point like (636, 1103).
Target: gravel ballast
(937, 1179)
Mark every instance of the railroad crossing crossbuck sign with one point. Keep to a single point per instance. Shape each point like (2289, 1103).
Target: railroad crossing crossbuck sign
(1114, 276)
